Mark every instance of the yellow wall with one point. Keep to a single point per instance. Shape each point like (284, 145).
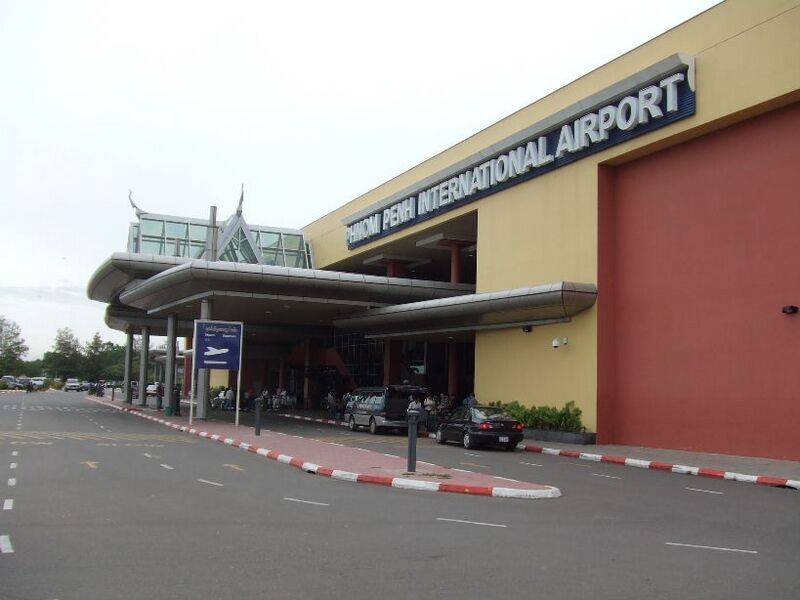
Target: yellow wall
(218, 378)
(545, 230)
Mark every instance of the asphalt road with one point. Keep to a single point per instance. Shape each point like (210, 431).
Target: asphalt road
(100, 504)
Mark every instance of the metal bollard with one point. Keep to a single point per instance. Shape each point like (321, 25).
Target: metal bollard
(259, 402)
(412, 440)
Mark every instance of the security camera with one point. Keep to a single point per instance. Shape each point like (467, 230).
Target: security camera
(527, 328)
(559, 341)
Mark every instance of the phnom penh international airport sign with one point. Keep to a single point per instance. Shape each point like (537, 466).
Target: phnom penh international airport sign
(657, 103)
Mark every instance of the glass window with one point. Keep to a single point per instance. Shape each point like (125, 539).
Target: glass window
(152, 227)
(197, 232)
(490, 412)
(461, 414)
(295, 259)
(269, 239)
(292, 242)
(239, 249)
(176, 230)
(152, 246)
(273, 257)
(198, 250)
(133, 238)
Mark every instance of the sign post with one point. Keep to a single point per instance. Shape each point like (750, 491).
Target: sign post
(218, 345)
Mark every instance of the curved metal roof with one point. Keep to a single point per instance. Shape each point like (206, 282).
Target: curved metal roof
(199, 276)
(521, 306)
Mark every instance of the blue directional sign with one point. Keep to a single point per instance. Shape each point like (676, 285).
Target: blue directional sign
(218, 344)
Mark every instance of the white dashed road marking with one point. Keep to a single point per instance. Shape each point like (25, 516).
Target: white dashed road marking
(471, 522)
(15, 453)
(5, 545)
(691, 489)
(530, 464)
(210, 482)
(12, 481)
(8, 504)
(606, 476)
(167, 467)
(307, 502)
(12, 466)
(712, 548)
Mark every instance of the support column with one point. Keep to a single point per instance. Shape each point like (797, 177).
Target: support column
(396, 268)
(456, 246)
(391, 362)
(306, 378)
(144, 357)
(169, 369)
(452, 369)
(188, 366)
(128, 392)
(282, 373)
(202, 374)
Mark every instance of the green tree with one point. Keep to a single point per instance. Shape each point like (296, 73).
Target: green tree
(12, 347)
(66, 359)
(93, 363)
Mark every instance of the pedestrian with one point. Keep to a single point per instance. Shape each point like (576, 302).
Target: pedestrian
(229, 399)
(330, 399)
(416, 405)
(430, 409)
(470, 400)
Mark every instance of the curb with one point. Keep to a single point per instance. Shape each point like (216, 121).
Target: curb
(662, 466)
(625, 461)
(384, 480)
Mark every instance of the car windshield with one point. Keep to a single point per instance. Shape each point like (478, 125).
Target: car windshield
(486, 413)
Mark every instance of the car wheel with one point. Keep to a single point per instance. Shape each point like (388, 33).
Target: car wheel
(352, 424)
(373, 427)
(469, 443)
(511, 446)
(439, 436)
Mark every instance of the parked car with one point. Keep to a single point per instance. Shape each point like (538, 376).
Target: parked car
(152, 389)
(38, 382)
(11, 382)
(72, 385)
(88, 386)
(480, 425)
(380, 408)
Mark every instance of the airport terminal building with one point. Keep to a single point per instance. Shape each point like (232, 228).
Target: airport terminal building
(629, 243)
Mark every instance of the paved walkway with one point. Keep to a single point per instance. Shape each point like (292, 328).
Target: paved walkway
(764, 471)
(344, 462)
(744, 469)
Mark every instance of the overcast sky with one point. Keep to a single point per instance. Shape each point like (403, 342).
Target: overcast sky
(308, 104)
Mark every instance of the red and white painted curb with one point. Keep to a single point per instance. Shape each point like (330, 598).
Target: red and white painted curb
(663, 466)
(394, 482)
(628, 462)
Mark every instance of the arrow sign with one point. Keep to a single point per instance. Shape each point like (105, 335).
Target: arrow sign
(235, 467)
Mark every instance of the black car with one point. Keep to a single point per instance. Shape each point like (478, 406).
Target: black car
(480, 425)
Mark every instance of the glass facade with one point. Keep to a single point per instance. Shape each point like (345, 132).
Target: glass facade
(175, 236)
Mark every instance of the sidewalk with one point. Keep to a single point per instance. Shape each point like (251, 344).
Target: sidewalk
(343, 462)
(764, 471)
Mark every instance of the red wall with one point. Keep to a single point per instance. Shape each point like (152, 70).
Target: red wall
(699, 250)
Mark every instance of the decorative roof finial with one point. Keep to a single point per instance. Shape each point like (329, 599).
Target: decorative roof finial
(241, 200)
(139, 211)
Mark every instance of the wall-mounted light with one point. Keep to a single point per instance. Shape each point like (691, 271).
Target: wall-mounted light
(560, 341)
(790, 309)
(527, 328)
